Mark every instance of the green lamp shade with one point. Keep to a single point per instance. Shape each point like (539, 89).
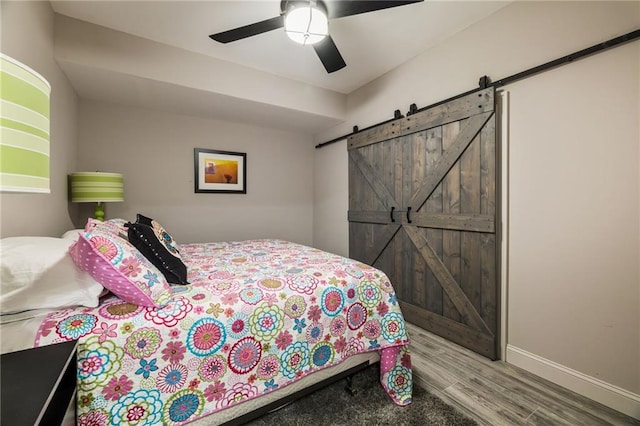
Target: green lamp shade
(96, 187)
(24, 128)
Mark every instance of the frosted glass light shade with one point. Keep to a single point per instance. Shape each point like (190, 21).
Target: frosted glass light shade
(306, 24)
(24, 128)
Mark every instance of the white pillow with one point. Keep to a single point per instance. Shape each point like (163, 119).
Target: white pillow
(38, 273)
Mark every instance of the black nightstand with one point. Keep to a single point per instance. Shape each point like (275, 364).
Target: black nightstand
(37, 386)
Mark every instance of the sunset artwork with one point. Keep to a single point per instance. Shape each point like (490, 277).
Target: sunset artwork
(220, 171)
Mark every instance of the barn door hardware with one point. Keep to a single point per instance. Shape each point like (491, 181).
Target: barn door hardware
(600, 47)
(484, 82)
(407, 213)
(413, 108)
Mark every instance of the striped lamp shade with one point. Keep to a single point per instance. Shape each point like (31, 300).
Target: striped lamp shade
(96, 187)
(24, 128)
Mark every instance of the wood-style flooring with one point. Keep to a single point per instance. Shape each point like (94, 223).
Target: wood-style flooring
(494, 393)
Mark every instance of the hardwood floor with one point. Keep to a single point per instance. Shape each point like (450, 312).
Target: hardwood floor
(494, 393)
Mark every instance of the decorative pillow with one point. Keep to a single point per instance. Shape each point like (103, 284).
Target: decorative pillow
(118, 266)
(38, 273)
(140, 218)
(161, 233)
(72, 234)
(111, 226)
(159, 247)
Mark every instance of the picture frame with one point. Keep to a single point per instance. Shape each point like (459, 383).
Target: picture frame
(218, 171)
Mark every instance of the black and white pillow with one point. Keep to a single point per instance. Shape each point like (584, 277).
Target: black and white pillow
(157, 245)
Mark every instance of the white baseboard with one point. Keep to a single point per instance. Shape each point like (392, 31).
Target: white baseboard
(605, 393)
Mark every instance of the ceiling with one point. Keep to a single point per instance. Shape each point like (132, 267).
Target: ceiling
(372, 44)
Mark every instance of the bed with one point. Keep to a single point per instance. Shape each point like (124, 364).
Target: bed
(242, 324)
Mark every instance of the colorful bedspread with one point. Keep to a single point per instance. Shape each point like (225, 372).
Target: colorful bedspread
(257, 316)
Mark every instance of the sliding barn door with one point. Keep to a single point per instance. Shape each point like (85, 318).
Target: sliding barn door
(422, 208)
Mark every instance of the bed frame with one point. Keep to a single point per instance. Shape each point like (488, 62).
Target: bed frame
(255, 408)
(289, 399)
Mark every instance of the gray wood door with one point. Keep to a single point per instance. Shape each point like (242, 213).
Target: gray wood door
(422, 208)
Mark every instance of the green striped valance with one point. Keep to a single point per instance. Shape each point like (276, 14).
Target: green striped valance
(24, 128)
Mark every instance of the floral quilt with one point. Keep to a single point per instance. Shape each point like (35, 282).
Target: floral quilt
(256, 316)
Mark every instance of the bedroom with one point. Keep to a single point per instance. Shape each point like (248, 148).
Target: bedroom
(585, 184)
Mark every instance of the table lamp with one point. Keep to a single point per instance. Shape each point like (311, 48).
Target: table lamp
(97, 187)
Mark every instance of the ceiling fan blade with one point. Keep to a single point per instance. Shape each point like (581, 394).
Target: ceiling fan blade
(249, 30)
(329, 54)
(341, 8)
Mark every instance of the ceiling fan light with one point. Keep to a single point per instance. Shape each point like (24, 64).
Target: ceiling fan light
(306, 24)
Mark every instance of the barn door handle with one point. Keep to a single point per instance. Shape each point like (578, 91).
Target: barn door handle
(392, 209)
(409, 214)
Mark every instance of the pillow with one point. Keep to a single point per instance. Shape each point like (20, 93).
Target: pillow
(111, 226)
(159, 247)
(38, 273)
(118, 266)
(161, 233)
(72, 234)
(140, 218)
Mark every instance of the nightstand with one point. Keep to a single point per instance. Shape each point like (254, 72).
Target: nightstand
(37, 386)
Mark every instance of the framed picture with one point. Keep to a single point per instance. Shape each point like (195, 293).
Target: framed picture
(220, 171)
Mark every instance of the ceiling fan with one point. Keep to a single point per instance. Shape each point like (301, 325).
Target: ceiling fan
(306, 22)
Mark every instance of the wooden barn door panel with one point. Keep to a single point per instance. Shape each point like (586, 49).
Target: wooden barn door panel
(422, 208)
(373, 177)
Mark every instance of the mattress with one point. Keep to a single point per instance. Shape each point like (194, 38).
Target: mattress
(18, 332)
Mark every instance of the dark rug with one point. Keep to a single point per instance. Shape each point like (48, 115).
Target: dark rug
(334, 406)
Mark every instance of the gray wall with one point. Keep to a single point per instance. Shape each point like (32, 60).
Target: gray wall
(574, 200)
(331, 199)
(573, 302)
(27, 35)
(154, 151)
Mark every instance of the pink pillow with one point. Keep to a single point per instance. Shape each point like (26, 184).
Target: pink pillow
(118, 266)
(111, 227)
